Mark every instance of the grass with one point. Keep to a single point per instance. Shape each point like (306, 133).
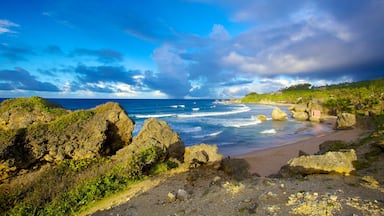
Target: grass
(31, 104)
(71, 186)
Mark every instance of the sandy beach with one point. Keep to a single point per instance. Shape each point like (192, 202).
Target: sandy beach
(269, 161)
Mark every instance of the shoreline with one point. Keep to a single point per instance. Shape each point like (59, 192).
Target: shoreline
(269, 161)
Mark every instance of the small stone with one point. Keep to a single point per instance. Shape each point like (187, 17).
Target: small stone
(282, 186)
(181, 195)
(171, 197)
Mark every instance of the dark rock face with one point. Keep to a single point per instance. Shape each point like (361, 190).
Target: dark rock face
(345, 121)
(81, 134)
(155, 133)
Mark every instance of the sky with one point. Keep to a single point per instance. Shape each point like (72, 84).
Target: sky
(185, 48)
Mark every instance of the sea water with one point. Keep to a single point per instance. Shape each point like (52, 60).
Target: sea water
(233, 127)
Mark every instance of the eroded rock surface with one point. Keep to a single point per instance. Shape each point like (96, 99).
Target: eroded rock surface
(278, 114)
(156, 133)
(331, 162)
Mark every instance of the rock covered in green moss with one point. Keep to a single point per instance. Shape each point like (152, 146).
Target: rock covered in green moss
(22, 112)
(77, 135)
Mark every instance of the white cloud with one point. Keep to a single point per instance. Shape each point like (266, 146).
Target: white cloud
(6, 25)
(219, 33)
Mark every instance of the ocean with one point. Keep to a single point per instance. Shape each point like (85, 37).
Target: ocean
(233, 127)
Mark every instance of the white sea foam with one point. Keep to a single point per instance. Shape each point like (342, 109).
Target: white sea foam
(178, 106)
(207, 114)
(192, 130)
(243, 124)
(195, 109)
(270, 131)
(208, 135)
(155, 116)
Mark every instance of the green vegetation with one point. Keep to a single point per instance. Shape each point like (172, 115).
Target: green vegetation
(359, 97)
(63, 122)
(31, 104)
(69, 187)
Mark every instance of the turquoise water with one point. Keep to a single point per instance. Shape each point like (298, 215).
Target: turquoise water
(233, 127)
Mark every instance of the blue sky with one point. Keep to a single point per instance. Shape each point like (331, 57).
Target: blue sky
(185, 48)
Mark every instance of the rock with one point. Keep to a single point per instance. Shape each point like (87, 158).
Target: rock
(181, 195)
(300, 116)
(171, 197)
(345, 121)
(202, 154)
(237, 168)
(156, 133)
(77, 135)
(261, 117)
(278, 114)
(315, 115)
(331, 162)
(22, 112)
(300, 108)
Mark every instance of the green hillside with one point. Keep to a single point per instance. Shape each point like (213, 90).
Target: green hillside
(361, 97)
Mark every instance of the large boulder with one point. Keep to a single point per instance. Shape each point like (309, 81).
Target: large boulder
(300, 116)
(345, 121)
(331, 162)
(80, 134)
(278, 114)
(155, 133)
(202, 154)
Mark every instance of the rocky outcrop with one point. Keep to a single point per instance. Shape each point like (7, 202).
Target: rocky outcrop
(300, 116)
(345, 121)
(81, 134)
(155, 133)
(23, 112)
(202, 154)
(310, 111)
(331, 162)
(278, 114)
(261, 117)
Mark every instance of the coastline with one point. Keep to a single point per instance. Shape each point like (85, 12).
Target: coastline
(269, 161)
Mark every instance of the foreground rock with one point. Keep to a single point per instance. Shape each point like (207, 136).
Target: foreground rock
(278, 114)
(155, 133)
(331, 162)
(81, 134)
(202, 154)
(345, 121)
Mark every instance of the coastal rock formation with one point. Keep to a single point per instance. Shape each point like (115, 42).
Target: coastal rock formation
(331, 162)
(310, 111)
(202, 154)
(345, 121)
(300, 116)
(80, 134)
(156, 133)
(261, 117)
(23, 112)
(278, 114)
